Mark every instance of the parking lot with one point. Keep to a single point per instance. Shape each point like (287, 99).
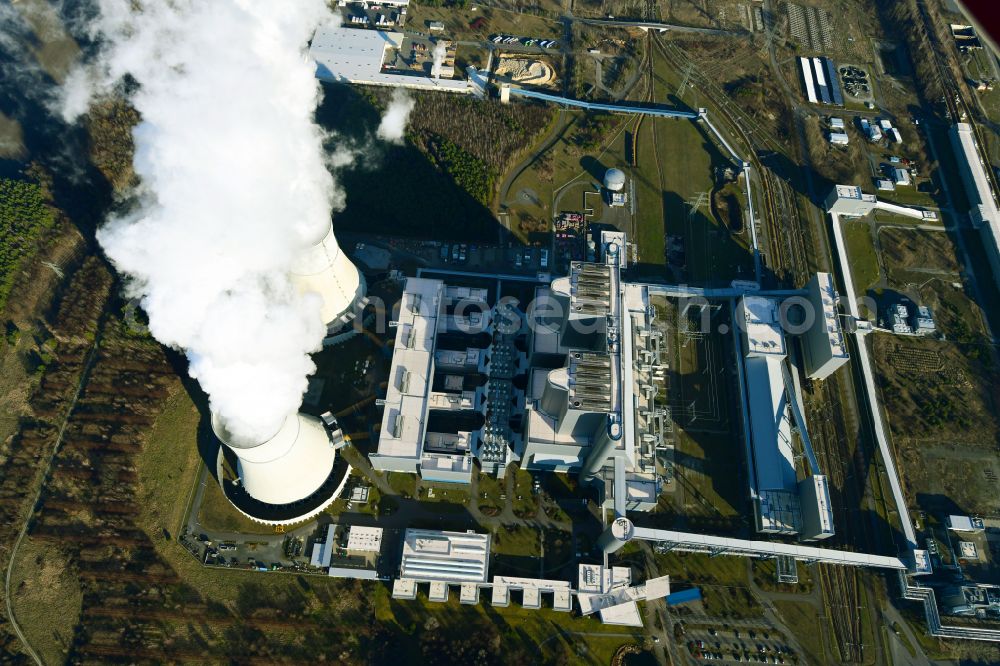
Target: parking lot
(258, 552)
(763, 646)
(511, 259)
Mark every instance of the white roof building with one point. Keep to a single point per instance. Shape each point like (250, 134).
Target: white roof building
(850, 201)
(762, 334)
(400, 442)
(531, 592)
(608, 591)
(323, 550)
(366, 539)
(447, 557)
(404, 443)
(771, 425)
(901, 176)
(985, 212)
(353, 55)
(964, 524)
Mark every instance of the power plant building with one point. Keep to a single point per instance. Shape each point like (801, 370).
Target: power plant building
(355, 55)
(288, 477)
(441, 559)
(324, 269)
(777, 503)
(284, 479)
(595, 362)
(592, 366)
(984, 209)
(405, 442)
(823, 343)
(783, 503)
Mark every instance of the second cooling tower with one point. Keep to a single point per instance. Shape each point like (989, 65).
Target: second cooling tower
(326, 270)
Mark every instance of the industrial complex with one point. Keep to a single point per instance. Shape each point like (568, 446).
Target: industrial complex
(571, 383)
(587, 333)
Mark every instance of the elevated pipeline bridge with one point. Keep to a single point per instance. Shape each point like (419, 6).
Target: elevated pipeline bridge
(716, 545)
(661, 112)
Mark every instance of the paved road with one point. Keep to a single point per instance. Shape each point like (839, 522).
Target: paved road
(84, 375)
(555, 132)
(890, 615)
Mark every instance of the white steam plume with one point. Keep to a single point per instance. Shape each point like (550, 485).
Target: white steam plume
(234, 186)
(439, 52)
(393, 125)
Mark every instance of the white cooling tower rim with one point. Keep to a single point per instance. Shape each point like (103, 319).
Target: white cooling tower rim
(317, 258)
(270, 449)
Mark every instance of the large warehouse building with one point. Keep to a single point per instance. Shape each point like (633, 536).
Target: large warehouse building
(353, 55)
(983, 207)
(785, 501)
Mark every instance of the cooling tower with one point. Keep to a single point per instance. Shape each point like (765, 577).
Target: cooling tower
(326, 270)
(287, 468)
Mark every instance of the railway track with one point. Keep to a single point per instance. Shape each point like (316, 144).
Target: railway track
(958, 107)
(650, 95)
(782, 232)
(787, 249)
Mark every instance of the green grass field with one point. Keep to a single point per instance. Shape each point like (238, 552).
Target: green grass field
(809, 629)
(167, 470)
(169, 463)
(687, 160)
(523, 502)
(707, 475)
(517, 540)
(47, 598)
(861, 255)
(402, 483)
(490, 490)
(555, 182)
(217, 513)
(723, 581)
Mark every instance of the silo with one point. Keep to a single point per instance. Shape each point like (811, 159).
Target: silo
(614, 180)
(326, 270)
(616, 535)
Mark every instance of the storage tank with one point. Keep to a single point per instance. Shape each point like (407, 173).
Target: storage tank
(289, 466)
(614, 180)
(326, 270)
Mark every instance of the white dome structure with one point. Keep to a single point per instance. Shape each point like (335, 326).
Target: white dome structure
(614, 180)
(290, 466)
(326, 270)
